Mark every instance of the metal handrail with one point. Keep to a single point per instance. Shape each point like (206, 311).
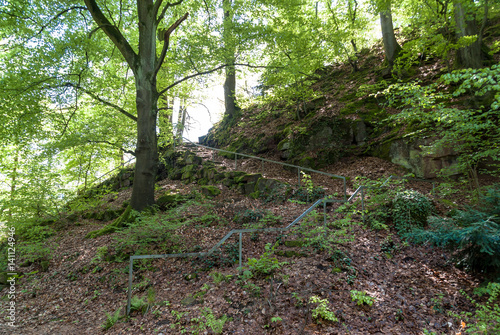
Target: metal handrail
(361, 189)
(116, 168)
(228, 235)
(299, 168)
(324, 200)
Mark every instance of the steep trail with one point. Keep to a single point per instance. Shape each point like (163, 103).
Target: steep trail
(349, 167)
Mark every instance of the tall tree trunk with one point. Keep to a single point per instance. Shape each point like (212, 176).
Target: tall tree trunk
(165, 117)
(229, 92)
(391, 46)
(87, 170)
(181, 121)
(353, 60)
(146, 103)
(230, 81)
(470, 55)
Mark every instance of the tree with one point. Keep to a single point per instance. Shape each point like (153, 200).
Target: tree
(294, 49)
(59, 73)
(469, 55)
(347, 24)
(391, 46)
(230, 71)
(145, 66)
(181, 121)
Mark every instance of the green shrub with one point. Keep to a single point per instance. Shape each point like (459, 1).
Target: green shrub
(486, 318)
(277, 194)
(216, 325)
(266, 264)
(220, 277)
(360, 297)
(35, 252)
(33, 231)
(322, 310)
(270, 220)
(227, 255)
(307, 195)
(148, 232)
(410, 210)
(138, 304)
(111, 319)
(474, 232)
(250, 215)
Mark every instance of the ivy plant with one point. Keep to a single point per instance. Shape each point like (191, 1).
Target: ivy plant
(410, 210)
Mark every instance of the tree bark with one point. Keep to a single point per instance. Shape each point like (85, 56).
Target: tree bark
(181, 121)
(147, 108)
(391, 46)
(229, 92)
(165, 118)
(230, 71)
(470, 55)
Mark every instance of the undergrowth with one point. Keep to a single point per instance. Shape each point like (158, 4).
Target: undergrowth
(410, 210)
(486, 318)
(474, 233)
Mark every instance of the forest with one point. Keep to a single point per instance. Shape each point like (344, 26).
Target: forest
(349, 186)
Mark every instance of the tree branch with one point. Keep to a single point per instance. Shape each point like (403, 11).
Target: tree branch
(113, 33)
(189, 77)
(166, 41)
(113, 145)
(107, 103)
(93, 31)
(213, 70)
(258, 66)
(164, 10)
(58, 15)
(156, 7)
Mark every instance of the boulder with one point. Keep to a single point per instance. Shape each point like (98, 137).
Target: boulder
(416, 157)
(248, 178)
(170, 200)
(210, 190)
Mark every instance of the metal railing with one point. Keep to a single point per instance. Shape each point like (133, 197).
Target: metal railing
(122, 165)
(361, 189)
(215, 247)
(324, 201)
(299, 168)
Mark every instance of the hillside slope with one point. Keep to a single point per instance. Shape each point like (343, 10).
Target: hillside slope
(412, 287)
(348, 115)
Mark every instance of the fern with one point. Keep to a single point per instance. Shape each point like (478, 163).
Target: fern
(474, 232)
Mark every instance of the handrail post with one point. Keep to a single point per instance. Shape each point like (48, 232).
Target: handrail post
(298, 175)
(363, 203)
(324, 211)
(345, 190)
(130, 277)
(240, 268)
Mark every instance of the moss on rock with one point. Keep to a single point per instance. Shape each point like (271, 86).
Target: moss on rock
(210, 190)
(127, 216)
(170, 200)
